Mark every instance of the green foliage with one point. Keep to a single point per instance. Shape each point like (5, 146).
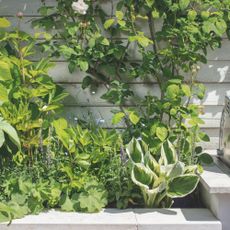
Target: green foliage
(169, 55)
(160, 176)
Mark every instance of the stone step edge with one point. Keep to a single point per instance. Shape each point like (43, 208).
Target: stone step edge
(216, 177)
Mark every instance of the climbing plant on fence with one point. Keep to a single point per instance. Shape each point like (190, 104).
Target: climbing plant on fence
(160, 41)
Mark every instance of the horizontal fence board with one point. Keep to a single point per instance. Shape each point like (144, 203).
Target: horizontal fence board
(212, 72)
(215, 94)
(30, 7)
(211, 115)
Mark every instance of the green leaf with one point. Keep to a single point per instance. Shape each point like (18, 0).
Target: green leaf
(84, 65)
(172, 91)
(192, 15)
(119, 15)
(205, 158)
(155, 14)
(186, 90)
(2, 138)
(183, 185)
(162, 133)
(184, 4)
(93, 200)
(134, 118)
(134, 151)
(12, 133)
(149, 2)
(3, 94)
(117, 118)
(141, 176)
(5, 73)
(67, 204)
(108, 23)
(4, 23)
(204, 137)
(168, 153)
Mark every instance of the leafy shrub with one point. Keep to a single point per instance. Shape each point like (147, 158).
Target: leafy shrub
(169, 39)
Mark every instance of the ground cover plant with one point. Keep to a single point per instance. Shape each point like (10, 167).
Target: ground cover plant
(47, 162)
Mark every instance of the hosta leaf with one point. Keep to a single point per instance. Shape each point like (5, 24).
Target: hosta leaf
(183, 185)
(168, 153)
(134, 151)
(177, 170)
(142, 176)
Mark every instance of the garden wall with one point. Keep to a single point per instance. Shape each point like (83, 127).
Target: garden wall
(215, 75)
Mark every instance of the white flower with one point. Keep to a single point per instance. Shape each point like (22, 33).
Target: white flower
(80, 7)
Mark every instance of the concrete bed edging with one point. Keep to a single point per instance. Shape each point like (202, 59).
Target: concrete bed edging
(114, 219)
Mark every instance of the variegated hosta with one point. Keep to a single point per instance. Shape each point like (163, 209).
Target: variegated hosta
(160, 177)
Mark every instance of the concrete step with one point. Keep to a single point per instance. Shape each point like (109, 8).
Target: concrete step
(114, 219)
(215, 190)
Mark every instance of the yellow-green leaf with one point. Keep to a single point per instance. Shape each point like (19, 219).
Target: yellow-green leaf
(108, 23)
(4, 23)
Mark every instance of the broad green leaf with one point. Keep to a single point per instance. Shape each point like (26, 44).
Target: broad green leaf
(119, 15)
(183, 185)
(108, 23)
(221, 26)
(4, 23)
(172, 91)
(93, 200)
(184, 4)
(203, 137)
(84, 65)
(12, 133)
(67, 204)
(205, 158)
(117, 118)
(134, 118)
(162, 133)
(134, 151)
(142, 176)
(5, 73)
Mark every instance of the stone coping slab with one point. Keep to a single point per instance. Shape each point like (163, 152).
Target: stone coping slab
(216, 178)
(114, 219)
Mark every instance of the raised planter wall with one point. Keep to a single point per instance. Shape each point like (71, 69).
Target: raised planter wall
(113, 219)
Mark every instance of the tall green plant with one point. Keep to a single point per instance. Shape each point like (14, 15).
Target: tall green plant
(29, 98)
